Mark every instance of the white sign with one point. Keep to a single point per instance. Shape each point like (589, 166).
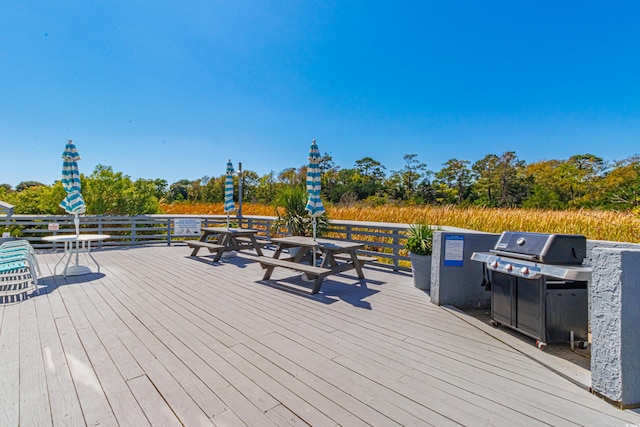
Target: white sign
(453, 251)
(53, 226)
(187, 226)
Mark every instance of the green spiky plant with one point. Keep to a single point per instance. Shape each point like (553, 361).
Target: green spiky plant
(420, 239)
(291, 213)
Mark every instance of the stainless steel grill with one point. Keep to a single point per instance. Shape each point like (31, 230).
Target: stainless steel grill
(539, 285)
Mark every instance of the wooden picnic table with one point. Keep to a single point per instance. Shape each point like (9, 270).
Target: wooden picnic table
(225, 239)
(337, 256)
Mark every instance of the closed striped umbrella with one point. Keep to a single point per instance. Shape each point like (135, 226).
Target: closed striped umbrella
(73, 202)
(229, 205)
(314, 203)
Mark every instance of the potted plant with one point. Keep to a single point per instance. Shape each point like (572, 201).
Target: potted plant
(420, 246)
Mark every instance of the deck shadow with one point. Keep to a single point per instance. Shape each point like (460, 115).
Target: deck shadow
(52, 282)
(47, 284)
(331, 291)
(238, 261)
(573, 365)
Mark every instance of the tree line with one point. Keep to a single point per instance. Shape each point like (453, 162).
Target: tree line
(581, 181)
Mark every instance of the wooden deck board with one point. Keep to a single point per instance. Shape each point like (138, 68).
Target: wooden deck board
(187, 395)
(108, 359)
(348, 381)
(195, 354)
(161, 338)
(199, 341)
(62, 394)
(10, 357)
(32, 370)
(94, 403)
(152, 403)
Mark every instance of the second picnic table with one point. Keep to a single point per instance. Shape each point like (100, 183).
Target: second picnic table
(225, 239)
(337, 256)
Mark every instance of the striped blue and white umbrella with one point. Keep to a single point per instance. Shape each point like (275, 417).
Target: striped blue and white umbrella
(229, 205)
(314, 203)
(73, 202)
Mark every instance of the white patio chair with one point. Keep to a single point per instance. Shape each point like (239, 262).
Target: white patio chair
(10, 248)
(17, 277)
(19, 270)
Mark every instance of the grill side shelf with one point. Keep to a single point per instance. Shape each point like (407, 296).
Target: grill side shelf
(516, 266)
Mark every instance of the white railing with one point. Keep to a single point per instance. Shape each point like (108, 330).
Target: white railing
(383, 240)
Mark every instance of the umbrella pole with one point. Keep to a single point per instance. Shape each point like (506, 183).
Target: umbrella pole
(76, 221)
(227, 220)
(313, 222)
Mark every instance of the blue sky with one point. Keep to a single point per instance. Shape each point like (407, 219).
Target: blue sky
(172, 89)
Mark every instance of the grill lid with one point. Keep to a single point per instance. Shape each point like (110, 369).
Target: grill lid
(570, 249)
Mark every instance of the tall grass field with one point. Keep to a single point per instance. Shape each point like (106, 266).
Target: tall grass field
(596, 225)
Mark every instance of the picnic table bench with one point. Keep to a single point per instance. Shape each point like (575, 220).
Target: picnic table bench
(313, 272)
(361, 258)
(197, 244)
(248, 241)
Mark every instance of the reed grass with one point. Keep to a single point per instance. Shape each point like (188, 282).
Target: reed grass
(594, 224)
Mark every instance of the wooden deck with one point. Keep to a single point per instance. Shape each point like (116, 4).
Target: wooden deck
(159, 338)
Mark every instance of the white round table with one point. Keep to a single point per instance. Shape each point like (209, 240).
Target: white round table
(74, 245)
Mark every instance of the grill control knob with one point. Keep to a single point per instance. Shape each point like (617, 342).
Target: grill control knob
(508, 267)
(521, 241)
(524, 270)
(494, 264)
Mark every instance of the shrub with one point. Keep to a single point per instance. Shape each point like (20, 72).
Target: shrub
(420, 239)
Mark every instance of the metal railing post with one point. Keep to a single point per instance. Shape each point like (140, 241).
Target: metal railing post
(396, 254)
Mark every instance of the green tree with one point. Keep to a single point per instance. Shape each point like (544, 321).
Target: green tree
(266, 188)
(328, 177)
(454, 181)
(427, 191)
(545, 184)
(293, 176)
(580, 176)
(621, 186)
(179, 191)
(500, 180)
(213, 191)
(27, 184)
(250, 181)
(113, 193)
(370, 179)
(326, 163)
(4, 190)
(370, 168)
(161, 188)
(404, 183)
(195, 192)
(344, 188)
(38, 200)
(141, 198)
